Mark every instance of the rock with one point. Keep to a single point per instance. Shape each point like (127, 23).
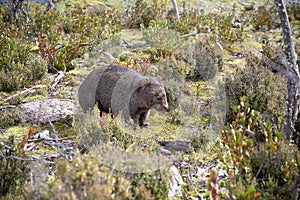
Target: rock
(177, 145)
(175, 183)
(44, 110)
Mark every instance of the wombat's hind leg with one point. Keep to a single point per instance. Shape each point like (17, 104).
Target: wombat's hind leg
(99, 108)
(135, 123)
(144, 119)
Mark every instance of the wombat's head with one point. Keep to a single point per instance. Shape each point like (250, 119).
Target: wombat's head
(154, 93)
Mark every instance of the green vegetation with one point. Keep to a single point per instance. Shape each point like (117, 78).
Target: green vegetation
(226, 107)
(9, 118)
(265, 169)
(14, 173)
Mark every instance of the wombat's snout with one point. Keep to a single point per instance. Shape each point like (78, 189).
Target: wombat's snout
(166, 106)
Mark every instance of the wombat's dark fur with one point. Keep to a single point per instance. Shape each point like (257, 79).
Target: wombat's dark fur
(122, 89)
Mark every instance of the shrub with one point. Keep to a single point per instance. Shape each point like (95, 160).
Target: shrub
(192, 19)
(208, 62)
(18, 66)
(153, 185)
(269, 167)
(14, 172)
(62, 36)
(19, 75)
(89, 127)
(264, 90)
(87, 178)
(85, 27)
(223, 25)
(159, 36)
(145, 11)
(219, 24)
(13, 56)
(293, 10)
(173, 97)
(263, 18)
(9, 118)
(10, 81)
(237, 140)
(82, 179)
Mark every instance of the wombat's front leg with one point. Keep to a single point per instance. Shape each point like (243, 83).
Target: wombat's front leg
(144, 119)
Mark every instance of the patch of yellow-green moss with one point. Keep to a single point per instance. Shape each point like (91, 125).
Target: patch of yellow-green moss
(35, 98)
(17, 131)
(63, 128)
(132, 34)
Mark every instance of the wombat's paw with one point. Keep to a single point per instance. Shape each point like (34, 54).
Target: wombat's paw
(134, 126)
(145, 124)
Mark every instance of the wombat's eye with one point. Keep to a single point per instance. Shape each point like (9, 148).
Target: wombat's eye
(159, 98)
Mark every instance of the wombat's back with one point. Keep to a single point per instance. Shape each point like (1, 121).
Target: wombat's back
(108, 83)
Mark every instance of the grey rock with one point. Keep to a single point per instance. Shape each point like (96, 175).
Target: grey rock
(176, 182)
(44, 110)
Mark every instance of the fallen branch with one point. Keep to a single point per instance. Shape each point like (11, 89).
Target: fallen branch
(25, 92)
(7, 107)
(187, 35)
(259, 170)
(56, 145)
(54, 131)
(17, 158)
(57, 80)
(49, 139)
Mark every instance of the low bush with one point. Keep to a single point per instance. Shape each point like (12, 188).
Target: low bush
(262, 18)
(9, 118)
(18, 65)
(159, 36)
(208, 62)
(153, 185)
(14, 172)
(62, 36)
(86, 178)
(269, 167)
(264, 90)
(73, 32)
(143, 12)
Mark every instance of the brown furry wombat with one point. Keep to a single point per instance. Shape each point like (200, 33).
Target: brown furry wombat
(120, 89)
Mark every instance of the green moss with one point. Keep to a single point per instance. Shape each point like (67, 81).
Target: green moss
(63, 127)
(35, 98)
(16, 131)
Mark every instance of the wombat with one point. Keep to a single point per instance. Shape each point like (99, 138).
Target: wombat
(120, 89)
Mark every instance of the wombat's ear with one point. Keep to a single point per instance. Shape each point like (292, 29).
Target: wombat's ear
(146, 81)
(157, 79)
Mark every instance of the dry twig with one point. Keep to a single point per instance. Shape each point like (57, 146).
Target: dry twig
(25, 92)
(57, 80)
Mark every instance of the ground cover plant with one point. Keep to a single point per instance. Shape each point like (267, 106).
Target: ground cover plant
(221, 138)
